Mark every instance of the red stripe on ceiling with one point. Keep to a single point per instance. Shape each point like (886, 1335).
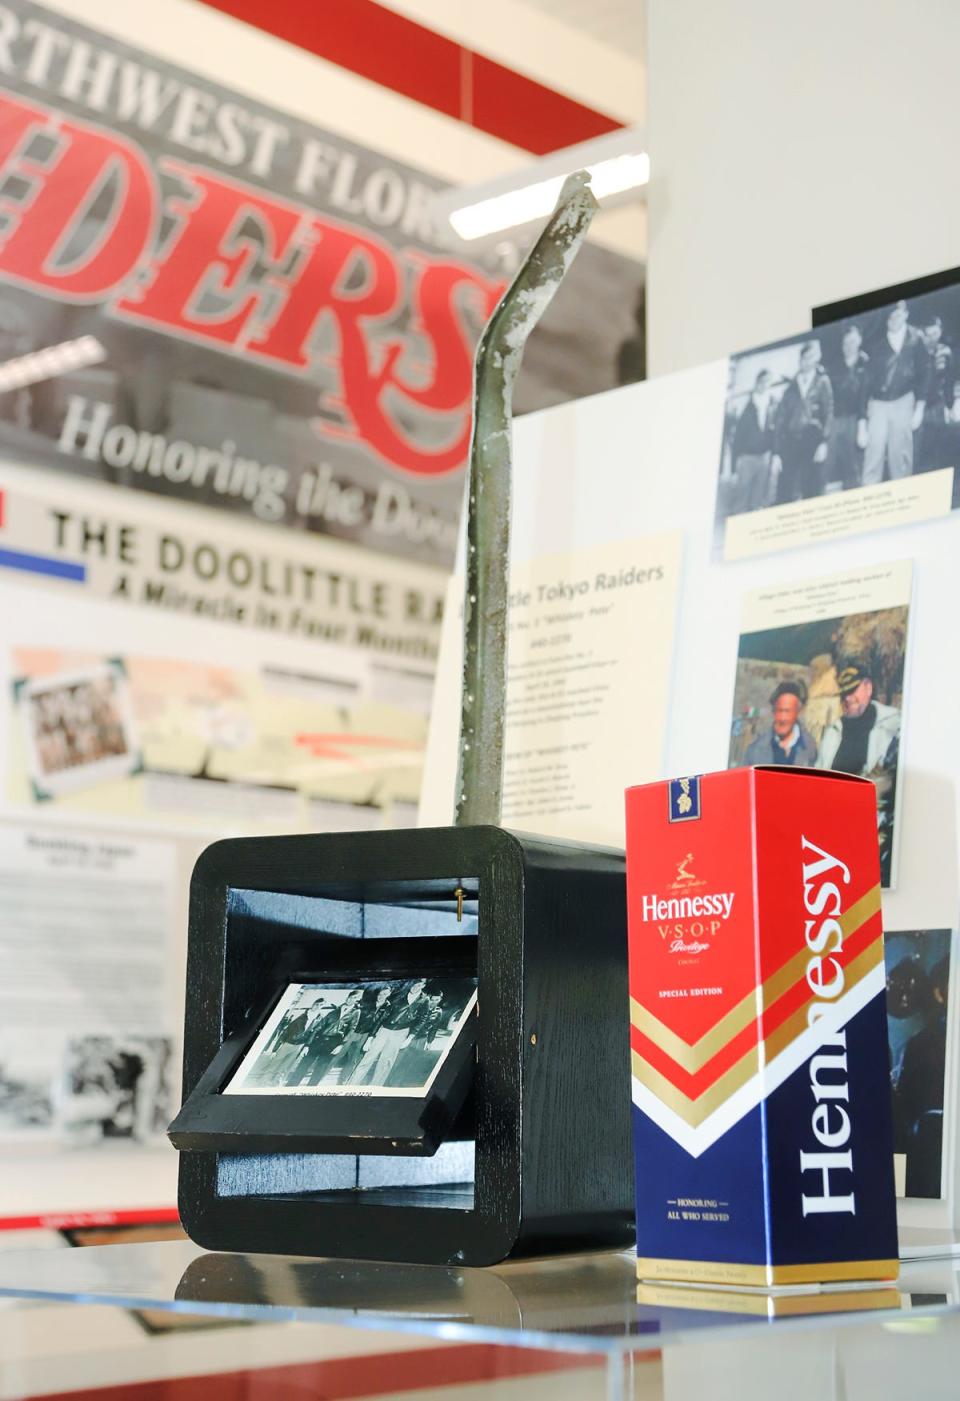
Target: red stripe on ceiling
(343, 1378)
(516, 109)
(427, 67)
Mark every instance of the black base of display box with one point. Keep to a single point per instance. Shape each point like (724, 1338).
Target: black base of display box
(518, 1139)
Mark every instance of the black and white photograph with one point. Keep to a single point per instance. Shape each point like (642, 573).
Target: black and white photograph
(918, 985)
(853, 404)
(826, 694)
(114, 1087)
(78, 728)
(387, 1037)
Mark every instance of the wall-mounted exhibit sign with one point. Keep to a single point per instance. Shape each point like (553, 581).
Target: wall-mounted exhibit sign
(306, 709)
(591, 638)
(334, 592)
(267, 320)
(147, 709)
(95, 1064)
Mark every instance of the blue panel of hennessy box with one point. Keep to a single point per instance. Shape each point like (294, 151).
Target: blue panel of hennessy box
(850, 1214)
(705, 1208)
(768, 1178)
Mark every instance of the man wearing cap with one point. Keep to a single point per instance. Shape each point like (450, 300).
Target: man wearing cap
(895, 395)
(787, 741)
(860, 740)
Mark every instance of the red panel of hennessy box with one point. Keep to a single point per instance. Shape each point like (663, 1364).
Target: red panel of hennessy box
(706, 989)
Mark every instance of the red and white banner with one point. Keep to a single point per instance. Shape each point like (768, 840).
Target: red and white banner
(282, 335)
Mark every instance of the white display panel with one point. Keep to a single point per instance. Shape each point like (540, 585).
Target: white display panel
(642, 460)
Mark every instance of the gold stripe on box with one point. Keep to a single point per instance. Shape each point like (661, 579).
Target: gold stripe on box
(797, 1022)
(694, 1110)
(692, 1058)
(765, 1276)
(695, 1057)
(834, 1271)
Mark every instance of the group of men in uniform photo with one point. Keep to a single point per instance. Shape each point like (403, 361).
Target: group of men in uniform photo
(882, 403)
(375, 1034)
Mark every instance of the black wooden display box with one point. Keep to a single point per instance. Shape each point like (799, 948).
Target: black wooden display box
(537, 1156)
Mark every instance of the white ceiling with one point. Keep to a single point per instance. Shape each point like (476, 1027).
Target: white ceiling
(618, 23)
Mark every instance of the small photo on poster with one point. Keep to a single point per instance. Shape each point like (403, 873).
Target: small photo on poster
(869, 405)
(114, 1087)
(820, 680)
(78, 728)
(918, 985)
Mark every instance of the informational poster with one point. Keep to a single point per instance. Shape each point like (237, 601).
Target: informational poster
(820, 682)
(86, 1044)
(92, 544)
(850, 428)
(265, 684)
(199, 744)
(224, 308)
(305, 710)
(242, 309)
(589, 657)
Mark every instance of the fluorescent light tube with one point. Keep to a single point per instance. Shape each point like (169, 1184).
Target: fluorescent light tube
(522, 198)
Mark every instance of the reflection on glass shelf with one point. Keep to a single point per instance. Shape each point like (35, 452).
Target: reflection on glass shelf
(67, 1351)
(586, 1302)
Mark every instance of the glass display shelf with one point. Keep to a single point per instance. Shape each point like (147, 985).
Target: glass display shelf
(583, 1305)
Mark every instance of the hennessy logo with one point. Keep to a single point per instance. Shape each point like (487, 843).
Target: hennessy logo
(686, 906)
(684, 879)
(683, 795)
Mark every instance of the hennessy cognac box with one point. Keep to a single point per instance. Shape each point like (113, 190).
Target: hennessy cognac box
(761, 1088)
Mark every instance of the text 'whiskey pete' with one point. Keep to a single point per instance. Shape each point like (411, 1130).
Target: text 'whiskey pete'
(761, 1089)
